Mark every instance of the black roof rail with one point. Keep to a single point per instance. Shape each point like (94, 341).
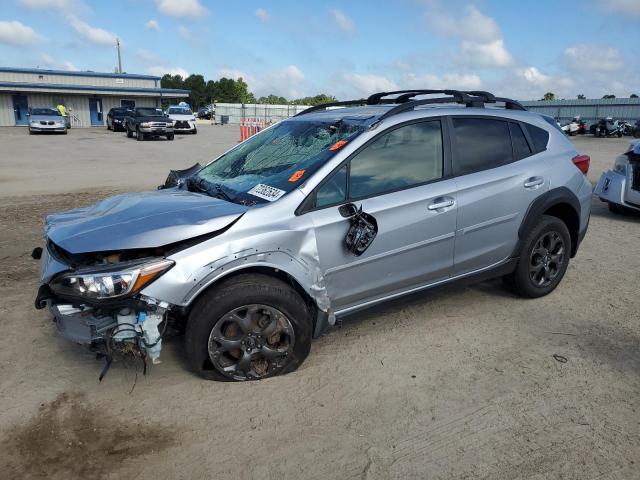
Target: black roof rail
(403, 100)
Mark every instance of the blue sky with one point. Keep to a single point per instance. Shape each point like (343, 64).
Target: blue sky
(349, 48)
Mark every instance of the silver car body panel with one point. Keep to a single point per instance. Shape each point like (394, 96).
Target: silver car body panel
(415, 247)
(616, 186)
(140, 220)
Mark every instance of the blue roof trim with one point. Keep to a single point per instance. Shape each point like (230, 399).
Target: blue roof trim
(57, 86)
(43, 71)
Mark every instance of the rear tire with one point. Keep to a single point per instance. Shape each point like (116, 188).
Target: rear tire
(544, 258)
(210, 345)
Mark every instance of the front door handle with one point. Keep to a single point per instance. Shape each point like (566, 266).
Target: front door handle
(442, 202)
(534, 182)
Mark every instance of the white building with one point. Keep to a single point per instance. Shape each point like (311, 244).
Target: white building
(87, 96)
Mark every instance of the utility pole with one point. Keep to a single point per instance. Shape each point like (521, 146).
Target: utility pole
(119, 59)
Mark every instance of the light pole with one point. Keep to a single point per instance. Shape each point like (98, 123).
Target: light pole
(119, 59)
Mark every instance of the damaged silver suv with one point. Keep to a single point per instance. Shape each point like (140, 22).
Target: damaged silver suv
(344, 206)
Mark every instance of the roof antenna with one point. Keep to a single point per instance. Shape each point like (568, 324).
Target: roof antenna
(119, 59)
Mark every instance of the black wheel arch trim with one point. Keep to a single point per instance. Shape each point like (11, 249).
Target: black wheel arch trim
(551, 198)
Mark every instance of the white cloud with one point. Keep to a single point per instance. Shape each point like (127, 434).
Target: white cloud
(630, 7)
(184, 32)
(62, 5)
(17, 34)
(263, 15)
(486, 54)
(160, 71)
(474, 25)
(594, 58)
(460, 81)
(48, 61)
(530, 83)
(93, 34)
(181, 8)
(152, 25)
(343, 22)
(288, 81)
(481, 41)
(370, 83)
(148, 57)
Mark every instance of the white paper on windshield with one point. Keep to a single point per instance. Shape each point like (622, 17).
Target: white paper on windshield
(265, 191)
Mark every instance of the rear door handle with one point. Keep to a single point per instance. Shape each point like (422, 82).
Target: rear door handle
(441, 202)
(533, 182)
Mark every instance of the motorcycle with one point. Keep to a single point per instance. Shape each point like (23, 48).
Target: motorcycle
(575, 127)
(607, 127)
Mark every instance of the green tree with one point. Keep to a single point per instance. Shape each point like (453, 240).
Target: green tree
(609, 96)
(198, 95)
(633, 95)
(273, 100)
(315, 100)
(581, 97)
(172, 81)
(549, 96)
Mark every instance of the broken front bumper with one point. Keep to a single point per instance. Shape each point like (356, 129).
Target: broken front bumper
(615, 187)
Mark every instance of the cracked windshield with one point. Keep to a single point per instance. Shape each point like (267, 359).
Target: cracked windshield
(275, 161)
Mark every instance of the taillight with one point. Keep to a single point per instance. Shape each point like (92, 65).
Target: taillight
(582, 162)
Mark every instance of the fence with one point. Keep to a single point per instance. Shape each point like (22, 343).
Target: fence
(266, 113)
(590, 110)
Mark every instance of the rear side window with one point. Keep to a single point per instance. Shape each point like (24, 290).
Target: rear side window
(539, 137)
(482, 143)
(521, 147)
(407, 156)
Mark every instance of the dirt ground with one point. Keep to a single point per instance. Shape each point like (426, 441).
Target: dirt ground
(458, 382)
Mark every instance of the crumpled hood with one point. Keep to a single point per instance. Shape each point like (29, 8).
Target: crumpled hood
(140, 220)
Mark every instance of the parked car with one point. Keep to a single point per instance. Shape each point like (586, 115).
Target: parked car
(321, 215)
(575, 127)
(620, 187)
(116, 118)
(205, 113)
(148, 122)
(47, 119)
(635, 131)
(183, 119)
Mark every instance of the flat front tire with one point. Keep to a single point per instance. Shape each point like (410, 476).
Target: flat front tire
(250, 327)
(139, 135)
(544, 259)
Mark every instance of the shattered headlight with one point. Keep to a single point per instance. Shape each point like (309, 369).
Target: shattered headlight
(620, 165)
(114, 281)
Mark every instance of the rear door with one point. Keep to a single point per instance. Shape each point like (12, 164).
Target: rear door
(401, 178)
(498, 175)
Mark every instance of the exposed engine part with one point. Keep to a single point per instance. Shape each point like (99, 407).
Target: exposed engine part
(362, 232)
(129, 330)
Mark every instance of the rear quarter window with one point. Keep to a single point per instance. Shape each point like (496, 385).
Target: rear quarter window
(539, 138)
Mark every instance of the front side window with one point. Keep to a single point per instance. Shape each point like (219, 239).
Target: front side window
(482, 143)
(406, 156)
(179, 111)
(277, 160)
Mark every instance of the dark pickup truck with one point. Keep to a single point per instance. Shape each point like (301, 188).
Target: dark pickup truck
(148, 122)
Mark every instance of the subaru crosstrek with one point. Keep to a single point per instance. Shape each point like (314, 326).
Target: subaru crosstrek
(339, 208)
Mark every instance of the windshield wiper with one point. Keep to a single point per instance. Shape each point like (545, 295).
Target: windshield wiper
(212, 189)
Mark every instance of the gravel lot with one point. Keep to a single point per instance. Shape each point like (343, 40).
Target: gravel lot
(459, 382)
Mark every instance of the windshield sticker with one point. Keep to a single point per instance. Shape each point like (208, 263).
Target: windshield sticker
(338, 145)
(266, 192)
(297, 175)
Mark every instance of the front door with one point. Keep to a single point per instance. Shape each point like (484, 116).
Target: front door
(397, 179)
(95, 111)
(20, 109)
